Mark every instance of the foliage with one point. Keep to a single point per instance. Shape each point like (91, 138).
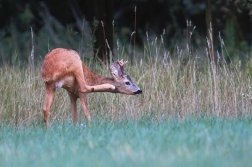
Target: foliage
(54, 28)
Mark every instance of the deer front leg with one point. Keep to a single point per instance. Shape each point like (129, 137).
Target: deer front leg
(84, 104)
(48, 101)
(73, 106)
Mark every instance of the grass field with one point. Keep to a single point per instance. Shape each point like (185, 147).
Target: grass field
(190, 114)
(173, 142)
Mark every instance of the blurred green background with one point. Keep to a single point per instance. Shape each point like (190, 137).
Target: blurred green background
(77, 24)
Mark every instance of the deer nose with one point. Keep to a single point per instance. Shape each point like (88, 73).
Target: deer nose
(138, 92)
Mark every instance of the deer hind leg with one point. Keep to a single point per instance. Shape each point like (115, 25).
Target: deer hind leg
(84, 104)
(73, 107)
(84, 88)
(48, 101)
(79, 75)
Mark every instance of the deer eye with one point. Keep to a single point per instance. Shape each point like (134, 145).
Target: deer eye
(127, 83)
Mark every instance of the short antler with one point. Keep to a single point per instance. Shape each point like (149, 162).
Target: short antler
(122, 64)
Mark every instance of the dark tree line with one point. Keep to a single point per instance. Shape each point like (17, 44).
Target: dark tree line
(109, 17)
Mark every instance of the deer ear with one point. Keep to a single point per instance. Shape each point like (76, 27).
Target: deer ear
(115, 70)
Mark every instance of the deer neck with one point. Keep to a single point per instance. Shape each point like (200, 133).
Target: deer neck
(102, 80)
(96, 79)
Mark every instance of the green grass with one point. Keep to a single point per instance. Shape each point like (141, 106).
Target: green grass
(187, 116)
(190, 114)
(174, 142)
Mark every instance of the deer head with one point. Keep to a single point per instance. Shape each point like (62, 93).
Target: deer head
(123, 82)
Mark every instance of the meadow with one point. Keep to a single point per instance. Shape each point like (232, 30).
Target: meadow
(173, 142)
(191, 113)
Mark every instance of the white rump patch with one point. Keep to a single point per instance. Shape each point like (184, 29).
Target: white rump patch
(59, 84)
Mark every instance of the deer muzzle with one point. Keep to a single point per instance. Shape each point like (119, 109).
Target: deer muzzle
(138, 92)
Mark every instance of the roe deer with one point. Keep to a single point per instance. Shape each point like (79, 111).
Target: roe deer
(63, 68)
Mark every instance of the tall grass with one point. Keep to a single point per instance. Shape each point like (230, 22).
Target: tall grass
(191, 113)
(172, 87)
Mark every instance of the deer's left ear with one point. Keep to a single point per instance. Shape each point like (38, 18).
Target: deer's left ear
(115, 70)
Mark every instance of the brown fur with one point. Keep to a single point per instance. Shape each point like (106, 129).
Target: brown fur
(64, 68)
